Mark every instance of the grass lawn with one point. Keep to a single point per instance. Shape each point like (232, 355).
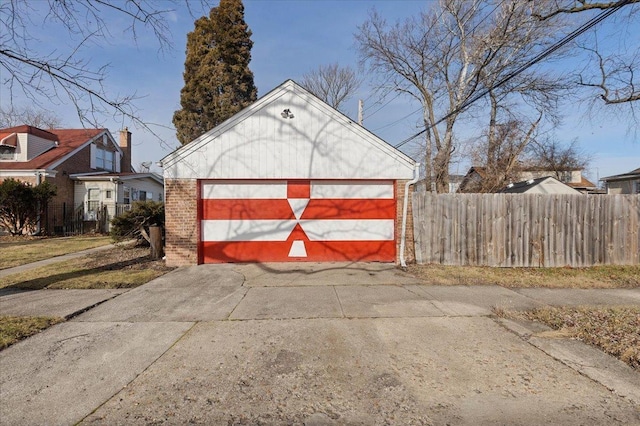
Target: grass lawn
(119, 267)
(14, 329)
(615, 330)
(18, 251)
(593, 277)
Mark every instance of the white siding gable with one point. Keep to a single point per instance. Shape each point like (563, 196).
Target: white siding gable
(319, 142)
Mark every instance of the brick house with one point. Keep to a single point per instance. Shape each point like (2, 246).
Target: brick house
(287, 179)
(87, 167)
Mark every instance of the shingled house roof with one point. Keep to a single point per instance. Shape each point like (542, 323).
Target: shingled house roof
(67, 141)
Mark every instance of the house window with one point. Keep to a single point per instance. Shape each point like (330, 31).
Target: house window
(565, 177)
(7, 152)
(159, 196)
(108, 160)
(107, 194)
(126, 195)
(100, 158)
(142, 196)
(104, 159)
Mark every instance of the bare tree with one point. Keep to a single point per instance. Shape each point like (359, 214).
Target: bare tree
(612, 76)
(41, 119)
(557, 7)
(550, 154)
(60, 76)
(332, 83)
(450, 54)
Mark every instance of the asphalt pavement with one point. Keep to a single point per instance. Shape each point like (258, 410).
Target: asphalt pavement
(314, 344)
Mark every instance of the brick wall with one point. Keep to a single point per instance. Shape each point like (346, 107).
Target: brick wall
(181, 230)
(78, 163)
(409, 253)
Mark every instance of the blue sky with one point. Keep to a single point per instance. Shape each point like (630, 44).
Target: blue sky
(291, 38)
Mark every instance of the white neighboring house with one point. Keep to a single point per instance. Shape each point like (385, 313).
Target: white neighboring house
(115, 191)
(543, 185)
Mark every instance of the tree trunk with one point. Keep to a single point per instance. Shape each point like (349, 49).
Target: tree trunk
(155, 238)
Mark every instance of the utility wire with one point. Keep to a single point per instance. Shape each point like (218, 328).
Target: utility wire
(397, 121)
(570, 37)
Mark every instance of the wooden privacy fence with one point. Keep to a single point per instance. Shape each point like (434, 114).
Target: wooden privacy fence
(528, 230)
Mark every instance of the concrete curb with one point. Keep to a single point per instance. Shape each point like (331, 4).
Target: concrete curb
(591, 362)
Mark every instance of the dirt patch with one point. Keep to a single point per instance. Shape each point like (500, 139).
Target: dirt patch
(125, 258)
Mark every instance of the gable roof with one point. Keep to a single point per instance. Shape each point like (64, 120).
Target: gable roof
(68, 141)
(313, 141)
(633, 174)
(584, 183)
(28, 129)
(543, 185)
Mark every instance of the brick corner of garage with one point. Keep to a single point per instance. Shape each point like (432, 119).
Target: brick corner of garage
(181, 222)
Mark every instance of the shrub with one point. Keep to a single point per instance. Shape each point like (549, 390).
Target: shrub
(22, 204)
(135, 223)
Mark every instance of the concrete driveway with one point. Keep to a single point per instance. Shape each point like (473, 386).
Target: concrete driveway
(317, 345)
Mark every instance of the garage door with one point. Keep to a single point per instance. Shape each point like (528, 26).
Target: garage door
(280, 221)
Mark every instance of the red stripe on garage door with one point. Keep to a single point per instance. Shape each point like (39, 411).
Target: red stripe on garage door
(316, 209)
(350, 209)
(329, 251)
(246, 209)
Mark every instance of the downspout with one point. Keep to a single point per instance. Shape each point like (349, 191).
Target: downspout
(405, 207)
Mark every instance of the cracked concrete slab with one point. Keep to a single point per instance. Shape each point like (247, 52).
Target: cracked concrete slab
(361, 372)
(61, 375)
(333, 350)
(313, 274)
(474, 300)
(189, 294)
(288, 302)
(384, 301)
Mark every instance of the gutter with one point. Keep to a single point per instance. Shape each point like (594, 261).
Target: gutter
(405, 207)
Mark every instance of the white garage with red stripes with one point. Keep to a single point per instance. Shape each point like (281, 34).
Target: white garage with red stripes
(287, 179)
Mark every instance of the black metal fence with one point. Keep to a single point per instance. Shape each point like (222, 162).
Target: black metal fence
(89, 217)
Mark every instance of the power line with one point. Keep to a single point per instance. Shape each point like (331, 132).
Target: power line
(397, 121)
(384, 105)
(570, 37)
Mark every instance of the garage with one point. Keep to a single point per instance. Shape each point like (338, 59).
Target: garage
(265, 186)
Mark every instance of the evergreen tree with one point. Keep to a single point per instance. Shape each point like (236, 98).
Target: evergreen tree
(218, 81)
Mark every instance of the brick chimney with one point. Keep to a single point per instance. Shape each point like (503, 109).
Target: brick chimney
(125, 144)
